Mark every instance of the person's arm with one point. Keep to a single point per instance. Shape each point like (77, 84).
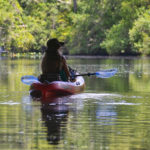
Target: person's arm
(65, 67)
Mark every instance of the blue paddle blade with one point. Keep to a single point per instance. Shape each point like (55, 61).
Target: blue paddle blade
(106, 73)
(29, 79)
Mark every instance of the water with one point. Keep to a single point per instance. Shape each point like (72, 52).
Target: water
(111, 114)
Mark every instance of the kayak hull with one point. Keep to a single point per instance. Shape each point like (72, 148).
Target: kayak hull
(57, 88)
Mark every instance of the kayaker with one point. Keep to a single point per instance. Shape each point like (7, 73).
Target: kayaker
(53, 65)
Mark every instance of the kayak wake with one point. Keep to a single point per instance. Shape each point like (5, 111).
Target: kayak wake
(104, 98)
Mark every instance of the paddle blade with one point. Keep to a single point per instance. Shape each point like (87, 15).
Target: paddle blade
(29, 79)
(106, 73)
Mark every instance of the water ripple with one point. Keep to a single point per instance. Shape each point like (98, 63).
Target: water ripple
(9, 103)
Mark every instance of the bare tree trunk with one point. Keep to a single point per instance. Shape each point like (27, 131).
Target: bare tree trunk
(75, 6)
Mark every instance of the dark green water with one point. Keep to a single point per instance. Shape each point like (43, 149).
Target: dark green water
(111, 114)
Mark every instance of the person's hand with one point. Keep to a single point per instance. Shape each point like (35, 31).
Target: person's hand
(72, 79)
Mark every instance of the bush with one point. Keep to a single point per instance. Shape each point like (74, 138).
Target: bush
(140, 34)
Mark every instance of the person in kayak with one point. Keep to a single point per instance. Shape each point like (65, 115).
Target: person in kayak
(53, 65)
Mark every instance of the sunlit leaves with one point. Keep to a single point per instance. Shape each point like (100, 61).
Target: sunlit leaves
(97, 26)
(14, 31)
(140, 34)
(116, 41)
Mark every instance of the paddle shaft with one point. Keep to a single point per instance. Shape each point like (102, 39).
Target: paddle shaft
(29, 79)
(84, 74)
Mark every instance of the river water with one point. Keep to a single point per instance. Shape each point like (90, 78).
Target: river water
(111, 114)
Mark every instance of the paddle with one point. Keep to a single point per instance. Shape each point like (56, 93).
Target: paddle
(29, 79)
(101, 74)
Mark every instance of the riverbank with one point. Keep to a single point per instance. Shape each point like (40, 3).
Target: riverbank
(35, 55)
(99, 57)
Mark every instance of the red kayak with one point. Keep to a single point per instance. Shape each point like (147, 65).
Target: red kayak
(57, 88)
(62, 88)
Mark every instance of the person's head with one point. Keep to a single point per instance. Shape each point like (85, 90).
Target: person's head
(54, 44)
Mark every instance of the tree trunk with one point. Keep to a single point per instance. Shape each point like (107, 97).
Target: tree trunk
(75, 6)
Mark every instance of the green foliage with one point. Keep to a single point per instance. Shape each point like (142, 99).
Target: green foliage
(140, 34)
(13, 30)
(96, 27)
(90, 26)
(116, 39)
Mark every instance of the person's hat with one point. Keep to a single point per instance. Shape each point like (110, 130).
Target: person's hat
(54, 44)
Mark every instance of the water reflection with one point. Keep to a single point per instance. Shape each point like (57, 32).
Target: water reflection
(54, 116)
(106, 114)
(112, 113)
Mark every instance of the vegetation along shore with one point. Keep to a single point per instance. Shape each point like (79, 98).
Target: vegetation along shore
(88, 27)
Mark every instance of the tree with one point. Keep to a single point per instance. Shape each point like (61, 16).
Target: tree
(13, 30)
(116, 42)
(88, 26)
(75, 6)
(140, 34)
(117, 37)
